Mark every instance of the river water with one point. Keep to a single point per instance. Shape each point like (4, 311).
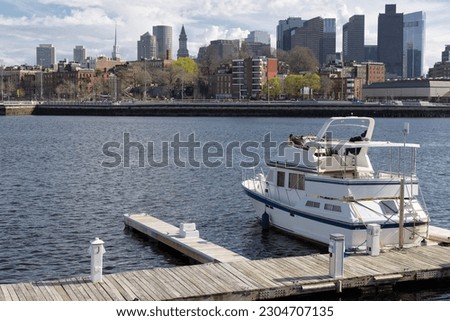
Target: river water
(66, 180)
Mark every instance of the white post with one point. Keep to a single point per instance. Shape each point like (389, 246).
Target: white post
(401, 217)
(373, 239)
(96, 250)
(336, 249)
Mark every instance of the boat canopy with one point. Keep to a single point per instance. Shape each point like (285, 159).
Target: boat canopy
(370, 144)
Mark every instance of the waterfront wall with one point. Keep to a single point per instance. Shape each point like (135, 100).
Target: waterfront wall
(17, 109)
(244, 110)
(217, 109)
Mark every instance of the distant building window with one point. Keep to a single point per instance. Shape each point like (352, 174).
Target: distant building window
(297, 181)
(313, 204)
(334, 208)
(280, 179)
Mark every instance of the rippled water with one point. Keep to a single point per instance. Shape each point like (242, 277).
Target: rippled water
(55, 195)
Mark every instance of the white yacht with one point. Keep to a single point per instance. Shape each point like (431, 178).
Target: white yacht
(325, 184)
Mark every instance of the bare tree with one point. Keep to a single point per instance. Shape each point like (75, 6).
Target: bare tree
(299, 59)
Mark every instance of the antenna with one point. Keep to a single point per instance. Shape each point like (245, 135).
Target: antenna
(401, 217)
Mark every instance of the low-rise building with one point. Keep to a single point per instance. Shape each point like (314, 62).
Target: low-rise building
(250, 74)
(417, 90)
(220, 82)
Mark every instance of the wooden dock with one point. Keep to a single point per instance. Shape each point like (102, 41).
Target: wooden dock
(243, 280)
(194, 247)
(229, 276)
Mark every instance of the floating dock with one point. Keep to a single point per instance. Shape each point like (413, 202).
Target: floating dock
(266, 279)
(184, 239)
(438, 234)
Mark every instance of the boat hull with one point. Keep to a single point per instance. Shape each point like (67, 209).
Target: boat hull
(316, 228)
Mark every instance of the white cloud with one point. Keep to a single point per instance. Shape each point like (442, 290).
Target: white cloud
(66, 23)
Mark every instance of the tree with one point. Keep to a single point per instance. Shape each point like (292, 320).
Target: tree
(183, 75)
(274, 89)
(312, 81)
(66, 89)
(209, 62)
(326, 86)
(189, 66)
(293, 84)
(299, 59)
(244, 51)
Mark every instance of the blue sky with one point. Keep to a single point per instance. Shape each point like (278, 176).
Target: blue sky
(66, 23)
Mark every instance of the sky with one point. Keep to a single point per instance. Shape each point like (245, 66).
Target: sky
(25, 24)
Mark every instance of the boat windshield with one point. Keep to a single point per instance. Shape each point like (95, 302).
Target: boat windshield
(350, 129)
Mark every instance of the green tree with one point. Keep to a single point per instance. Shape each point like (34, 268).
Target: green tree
(293, 84)
(189, 66)
(312, 81)
(274, 89)
(182, 74)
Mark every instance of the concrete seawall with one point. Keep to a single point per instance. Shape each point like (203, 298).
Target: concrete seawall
(17, 110)
(263, 109)
(243, 110)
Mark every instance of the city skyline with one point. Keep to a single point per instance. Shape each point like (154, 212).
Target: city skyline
(66, 24)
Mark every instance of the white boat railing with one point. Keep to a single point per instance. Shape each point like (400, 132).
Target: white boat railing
(257, 181)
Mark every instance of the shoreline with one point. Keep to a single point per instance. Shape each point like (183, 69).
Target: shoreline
(225, 109)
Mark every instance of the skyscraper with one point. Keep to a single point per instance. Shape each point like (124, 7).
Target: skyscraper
(79, 54)
(45, 55)
(146, 47)
(414, 42)
(163, 36)
(259, 36)
(284, 31)
(319, 35)
(353, 39)
(182, 44)
(328, 49)
(446, 54)
(390, 41)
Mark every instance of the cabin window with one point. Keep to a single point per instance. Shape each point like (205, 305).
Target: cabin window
(280, 179)
(389, 207)
(297, 181)
(331, 207)
(313, 204)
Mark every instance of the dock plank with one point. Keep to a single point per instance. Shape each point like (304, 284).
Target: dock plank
(124, 283)
(4, 293)
(150, 286)
(110, 286)
(55, 290)
(125, 293)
